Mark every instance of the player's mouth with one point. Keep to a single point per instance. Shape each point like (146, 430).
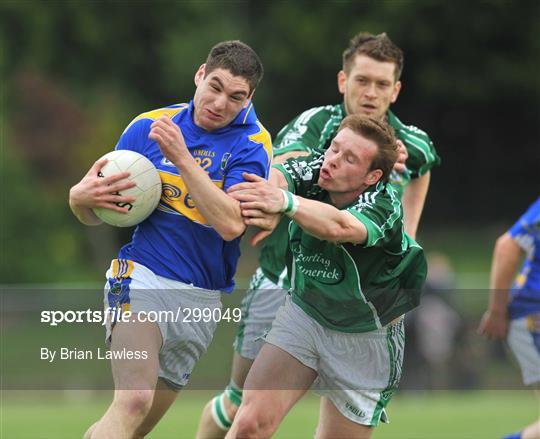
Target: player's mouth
(325, 174)
(211, 115)
(368, 108)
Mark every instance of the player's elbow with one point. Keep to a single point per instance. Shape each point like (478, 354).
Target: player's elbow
(345, 229)
(334, 232)
(231, 230)
(507, 246)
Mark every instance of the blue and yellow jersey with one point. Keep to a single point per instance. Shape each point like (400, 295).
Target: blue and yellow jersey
(175, 241)
(526, 288)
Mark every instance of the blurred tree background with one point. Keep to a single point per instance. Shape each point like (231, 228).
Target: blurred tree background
(74, 73)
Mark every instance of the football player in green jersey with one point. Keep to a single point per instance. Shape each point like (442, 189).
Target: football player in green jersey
(354, 273)
(369, 82)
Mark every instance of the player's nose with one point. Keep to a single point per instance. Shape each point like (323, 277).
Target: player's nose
(333, 162)
(370, 91)
(219, 102)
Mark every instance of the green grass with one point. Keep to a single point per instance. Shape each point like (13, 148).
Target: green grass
(428, 415)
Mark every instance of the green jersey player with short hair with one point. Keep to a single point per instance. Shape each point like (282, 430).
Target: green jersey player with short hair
(354, 273)
(311, 132)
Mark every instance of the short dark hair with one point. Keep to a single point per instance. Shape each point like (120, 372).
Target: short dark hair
(379, 47)
(238, 58)
(379, 132)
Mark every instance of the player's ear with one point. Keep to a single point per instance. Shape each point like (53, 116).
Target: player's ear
(341, 80)
(248, 99)
(199, 76)
(373, 177)
(395, 92)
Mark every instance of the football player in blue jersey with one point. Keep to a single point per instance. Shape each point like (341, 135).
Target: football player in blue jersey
(514, 310)
(185, 254)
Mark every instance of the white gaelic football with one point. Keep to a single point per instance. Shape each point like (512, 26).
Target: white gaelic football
(147, 192)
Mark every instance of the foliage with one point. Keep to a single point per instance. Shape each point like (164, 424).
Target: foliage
(75, 73)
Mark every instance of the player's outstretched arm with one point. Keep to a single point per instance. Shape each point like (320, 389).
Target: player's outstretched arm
(413, 200)
(328, 223)
(94, 191)
(220, 211)
(322, 220)
(506, 260)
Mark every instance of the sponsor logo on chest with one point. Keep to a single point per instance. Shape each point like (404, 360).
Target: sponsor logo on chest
(317, 266)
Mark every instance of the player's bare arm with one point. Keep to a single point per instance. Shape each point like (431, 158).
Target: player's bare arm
(414, 197)
(94, 191)
(322, 220)
(221, 211)
(506, 260)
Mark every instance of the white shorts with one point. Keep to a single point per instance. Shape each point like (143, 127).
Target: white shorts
(133, 287)
(524, 341)
(358, 372)
(259, 308)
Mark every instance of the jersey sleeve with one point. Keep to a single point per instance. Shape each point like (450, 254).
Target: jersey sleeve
(422, 154)
(135, 136)
(380, 211)
(303, 133)
(254, 155)
(302, 174)
(527, 227)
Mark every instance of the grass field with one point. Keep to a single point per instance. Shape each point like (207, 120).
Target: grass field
(429, 415)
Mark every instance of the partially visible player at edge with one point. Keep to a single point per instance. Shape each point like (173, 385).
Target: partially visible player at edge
(186, 252)
(369, 83)
(514, 310)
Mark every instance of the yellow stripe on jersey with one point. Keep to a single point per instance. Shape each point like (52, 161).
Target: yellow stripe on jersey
(521, 278)
(175, 197)
(122, 268)
(263, 136)
(533, 323)
(156, 114)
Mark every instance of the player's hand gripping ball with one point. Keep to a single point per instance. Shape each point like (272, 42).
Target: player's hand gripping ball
(147, 191)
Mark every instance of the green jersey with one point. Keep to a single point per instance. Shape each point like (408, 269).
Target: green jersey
(347, 287)
(313, 131)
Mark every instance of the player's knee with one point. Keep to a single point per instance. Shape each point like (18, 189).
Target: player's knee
(254, 422)
(135, 403)
(247, 426)
(255, 428)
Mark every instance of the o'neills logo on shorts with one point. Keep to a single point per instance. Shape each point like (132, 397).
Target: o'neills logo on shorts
(318, 267)
(355, 410)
